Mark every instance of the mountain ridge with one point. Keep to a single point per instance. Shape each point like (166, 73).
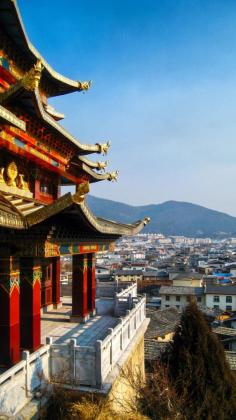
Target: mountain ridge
(169, 218)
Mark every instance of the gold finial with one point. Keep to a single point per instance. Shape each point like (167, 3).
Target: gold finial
(84, 85)
(104, 147)
(22, 184)
(12, 173)
(81, 190)
(31, 80)
(112, 176)
(102, 165)
(2, 180)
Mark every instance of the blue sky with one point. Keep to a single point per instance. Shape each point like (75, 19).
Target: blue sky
(164, 91)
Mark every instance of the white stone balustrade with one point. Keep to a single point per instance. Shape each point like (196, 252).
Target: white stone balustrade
(68, 363)
(89, 366)
(18, 384)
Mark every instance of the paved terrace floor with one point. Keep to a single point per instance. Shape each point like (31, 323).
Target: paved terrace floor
(56, 324)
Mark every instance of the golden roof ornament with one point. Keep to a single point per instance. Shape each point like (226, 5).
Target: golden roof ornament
(32, 79)
(12, 173)
(113, 176)
(84, 85)
(102, 165)
(104, 147)
(81, 190)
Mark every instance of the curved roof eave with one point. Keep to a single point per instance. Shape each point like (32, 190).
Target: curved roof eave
(14, 27)
(82, 148)
(10, 118)
(100, 225)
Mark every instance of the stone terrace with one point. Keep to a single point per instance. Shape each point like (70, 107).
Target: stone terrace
(56, 324)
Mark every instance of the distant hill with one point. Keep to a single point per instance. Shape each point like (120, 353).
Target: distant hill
(169, 218)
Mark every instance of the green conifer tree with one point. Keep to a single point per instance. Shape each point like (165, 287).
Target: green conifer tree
(198, 370)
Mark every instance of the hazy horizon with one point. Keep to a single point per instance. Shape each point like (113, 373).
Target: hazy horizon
(164, 92)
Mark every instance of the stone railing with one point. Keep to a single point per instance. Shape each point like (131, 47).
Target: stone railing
(127, 289)
(111, 289)
(108, 304)
(68, 363)
(89, 366)
(19, 383)
(112, 347)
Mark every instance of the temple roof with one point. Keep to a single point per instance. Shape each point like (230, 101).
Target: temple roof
(33, 100)
(24, 213)
(11, 23)
(8, 117)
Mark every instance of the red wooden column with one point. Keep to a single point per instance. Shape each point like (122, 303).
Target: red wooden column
(91, 284)
(30, 303)
(79, 288)
(56, 282)
(9, 309)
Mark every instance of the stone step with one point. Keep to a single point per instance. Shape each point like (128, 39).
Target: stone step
(16, 201)
(26, 212)
(25, 206)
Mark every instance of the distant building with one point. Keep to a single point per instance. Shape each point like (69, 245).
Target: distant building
(221, 297)
(128, 275)
(180, 296)
(186, 279)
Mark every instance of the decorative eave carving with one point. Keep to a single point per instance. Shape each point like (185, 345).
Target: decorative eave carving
(31, 79)
(100, 166)
(104, 147)
(81, 191)
(84, 86)
(82, 148)
(113, 176)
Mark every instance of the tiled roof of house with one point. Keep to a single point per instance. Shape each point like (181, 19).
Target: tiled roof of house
(162, 322)
(153, 349)
(181, 290)
(220, 289)
(128, 272)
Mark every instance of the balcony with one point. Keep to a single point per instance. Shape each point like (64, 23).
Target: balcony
(78, 355)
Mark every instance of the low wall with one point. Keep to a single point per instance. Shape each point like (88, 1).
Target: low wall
(70, 364)
(18, 384)
(107, 305)
(89, 366)
(113, 289)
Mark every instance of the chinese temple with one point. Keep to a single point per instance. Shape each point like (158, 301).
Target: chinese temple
(38, 225)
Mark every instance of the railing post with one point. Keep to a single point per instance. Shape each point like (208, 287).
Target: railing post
(144, 306)
(110, 330)
(116, 303)
(72, 360)
(25, 357)
(130, 301)
(98, 363)
(49, 342)
(128, 315)
(117, 284)
(121, 336)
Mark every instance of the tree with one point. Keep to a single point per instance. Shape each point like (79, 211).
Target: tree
(198, 370)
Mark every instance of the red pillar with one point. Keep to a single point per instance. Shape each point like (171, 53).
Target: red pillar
(79, 288)
(9, 310)
(91, 283)
(30, 303)
(56, 282)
